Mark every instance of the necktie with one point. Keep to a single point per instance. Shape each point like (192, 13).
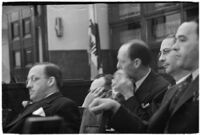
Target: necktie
(179, 92)
(134, 88)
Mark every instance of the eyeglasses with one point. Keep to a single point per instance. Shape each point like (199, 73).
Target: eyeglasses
(33, 79)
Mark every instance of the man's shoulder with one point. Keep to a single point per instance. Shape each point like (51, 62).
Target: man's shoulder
(60, 100)
(158, 79)
(155, 83)
(64, 100)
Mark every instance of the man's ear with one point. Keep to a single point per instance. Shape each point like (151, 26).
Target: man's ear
(51, 81)
(138, 62)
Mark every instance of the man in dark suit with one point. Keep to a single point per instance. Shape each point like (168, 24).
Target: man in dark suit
(179, 110)
(169, 61)
(134, 58)
(43, 82)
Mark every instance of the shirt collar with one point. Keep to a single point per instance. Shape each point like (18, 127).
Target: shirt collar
(50, 94)
(182, 79)
(195, 74)
(139, 82)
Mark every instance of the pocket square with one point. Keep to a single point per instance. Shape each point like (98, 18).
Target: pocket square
(25, 103)
(39, 112)
(145, 105)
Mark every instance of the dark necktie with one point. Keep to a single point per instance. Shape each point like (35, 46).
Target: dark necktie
(179, 92)
(134, 88)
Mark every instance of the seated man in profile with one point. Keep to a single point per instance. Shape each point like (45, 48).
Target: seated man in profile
(43, 82)
(169, 60)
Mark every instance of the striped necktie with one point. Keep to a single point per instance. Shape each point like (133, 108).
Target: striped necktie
(134, 88)
(179, 92)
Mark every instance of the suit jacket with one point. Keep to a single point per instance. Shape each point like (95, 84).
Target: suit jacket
(148, 96)
(55, 104)
(182, 119)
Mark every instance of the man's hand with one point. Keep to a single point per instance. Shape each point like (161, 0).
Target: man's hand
(98, 92)
(104, 104)
(125, 87)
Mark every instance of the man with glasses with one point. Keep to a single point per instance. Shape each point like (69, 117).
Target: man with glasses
(43, 82)
(169, 61)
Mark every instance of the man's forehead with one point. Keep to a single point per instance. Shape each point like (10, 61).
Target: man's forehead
(123, 50)
(167, 43)
(37, 70)
(186, 29)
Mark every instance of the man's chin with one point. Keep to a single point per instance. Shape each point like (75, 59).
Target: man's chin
(167, 71)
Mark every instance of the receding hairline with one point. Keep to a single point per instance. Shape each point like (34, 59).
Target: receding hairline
(128, 44)
(44, 66)
(192, 27)
(136, 41)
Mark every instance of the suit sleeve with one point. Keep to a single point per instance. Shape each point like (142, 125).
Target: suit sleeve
(148, 98)
(71, 115)
(125, 121)
(135, 106)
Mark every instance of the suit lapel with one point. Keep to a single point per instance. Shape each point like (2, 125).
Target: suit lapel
(193, 87)
(157, 121)
(143, 91)
(26, 112)
(30, 109)
(50, 99)
(169, 94)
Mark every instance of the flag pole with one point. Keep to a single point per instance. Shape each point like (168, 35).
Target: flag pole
(99, 62)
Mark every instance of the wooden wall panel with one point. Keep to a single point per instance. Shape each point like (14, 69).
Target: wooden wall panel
(74, 63)
(109, 60)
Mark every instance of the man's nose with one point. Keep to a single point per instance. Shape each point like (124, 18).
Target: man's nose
(161, 58)
(118, 65)
(175, 47)
(28, 84)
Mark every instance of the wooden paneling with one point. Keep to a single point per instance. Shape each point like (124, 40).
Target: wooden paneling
(109, 60)
(21, 31)
(74, 63)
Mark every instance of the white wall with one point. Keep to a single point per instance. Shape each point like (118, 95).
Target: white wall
(75, 24)
(75, 20)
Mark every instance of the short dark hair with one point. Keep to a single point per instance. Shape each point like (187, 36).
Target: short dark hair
(139, 49)
(51, 69)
